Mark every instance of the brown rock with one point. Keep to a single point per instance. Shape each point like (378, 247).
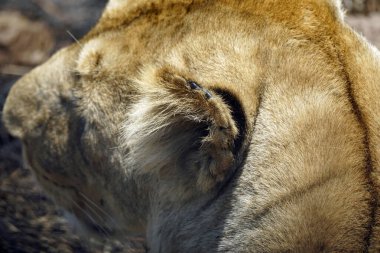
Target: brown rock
(22, 41)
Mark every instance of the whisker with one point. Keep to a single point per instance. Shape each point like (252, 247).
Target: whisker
(98, 207)
(104, 221)
(106, 234)
(131, 238)
(89, 201)
(75, 39)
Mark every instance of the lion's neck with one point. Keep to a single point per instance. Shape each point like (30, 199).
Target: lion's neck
(193, 227)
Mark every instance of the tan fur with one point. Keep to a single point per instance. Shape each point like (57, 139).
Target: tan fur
(212, 126)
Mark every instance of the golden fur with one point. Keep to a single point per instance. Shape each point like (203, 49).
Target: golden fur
(212, 126)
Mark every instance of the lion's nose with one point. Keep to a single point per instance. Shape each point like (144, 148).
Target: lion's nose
(22, 110)
(36, 97)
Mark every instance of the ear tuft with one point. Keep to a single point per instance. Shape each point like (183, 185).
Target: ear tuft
(178, 125)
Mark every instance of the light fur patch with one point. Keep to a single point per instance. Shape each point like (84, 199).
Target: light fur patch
(167, 125)
(89, 56)
(116, 4)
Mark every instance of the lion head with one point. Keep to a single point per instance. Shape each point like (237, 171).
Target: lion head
(211, 126)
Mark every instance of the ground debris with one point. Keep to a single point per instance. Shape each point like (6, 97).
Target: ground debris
(22, 43)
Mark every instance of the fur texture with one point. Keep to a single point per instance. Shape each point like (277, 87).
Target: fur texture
(212, 126)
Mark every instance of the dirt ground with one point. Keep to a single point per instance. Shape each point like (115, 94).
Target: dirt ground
(30, 31)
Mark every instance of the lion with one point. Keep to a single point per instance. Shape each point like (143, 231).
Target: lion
(211, 126)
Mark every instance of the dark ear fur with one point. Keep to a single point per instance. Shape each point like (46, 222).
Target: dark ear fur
(179, 127)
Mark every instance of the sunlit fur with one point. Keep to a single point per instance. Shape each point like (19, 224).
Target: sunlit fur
(211, 126)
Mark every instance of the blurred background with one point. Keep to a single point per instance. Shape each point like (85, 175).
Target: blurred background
(30, 32)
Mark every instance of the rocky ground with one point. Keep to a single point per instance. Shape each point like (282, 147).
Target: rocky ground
(30, 31)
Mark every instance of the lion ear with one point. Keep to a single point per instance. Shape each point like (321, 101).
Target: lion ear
(37, 96)
(181, 129)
